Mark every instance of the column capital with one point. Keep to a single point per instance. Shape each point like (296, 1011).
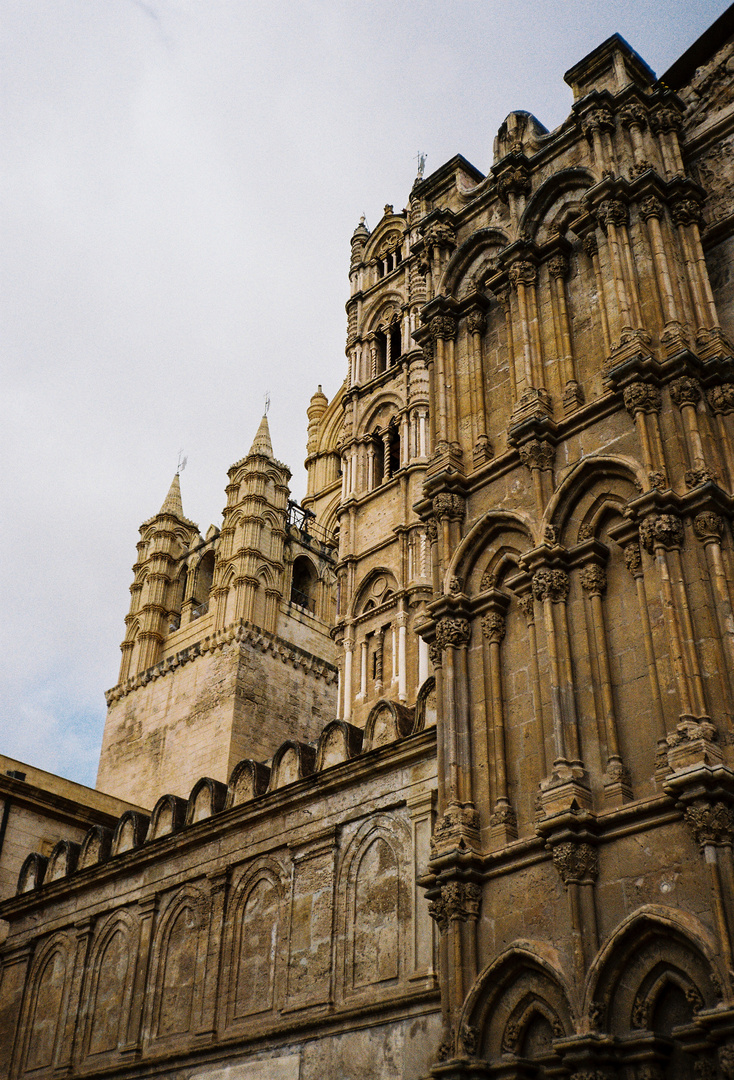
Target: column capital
(594, 579)
(708, 525)
(642, 397)
(453, 631)
(551, 585)
(493, 627)
(685, 391)
(665, 530)
(576, 862)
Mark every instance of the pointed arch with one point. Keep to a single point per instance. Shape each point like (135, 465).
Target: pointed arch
(47, 991)
(370, 585)
(177, 962)
(255, 927)
(387, 722)
(292, 762)
(207, 798)
(525, 981)
(110, 971)
(555, 203)
(248, 780)
(576, 485)
(652, 947)
(96, 847)
(481, 246)
(338, 742)
(167, 817)
(63, 860)
(467, 563)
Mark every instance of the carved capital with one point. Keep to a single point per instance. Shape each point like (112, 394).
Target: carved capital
(432, 530)
(642, 397)
(558, 266)
(726, 1060)
(651, 207)
(476, 321)
(576, 862)
(711, 823)
(454, 632)
(721, 398)
(503, 816)
(633, 558)
(461, 900)
(523, 272)
(551, 585)
(665, 530)
(686, 212)
(599, 119)
(514, 181)
(685, 391)
(664, 119)
(695, 477)
(591, 247)
(527, 604)
(633, 115)
(442, 327)
(537, 454)
(493, 627)
(449, 506)
(437, 911)
(612, 212)
(594, 579)
(708, 526)
(440, 235)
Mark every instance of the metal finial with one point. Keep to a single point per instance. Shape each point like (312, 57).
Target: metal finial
(421, 159)
(181, 463)
(267, 403)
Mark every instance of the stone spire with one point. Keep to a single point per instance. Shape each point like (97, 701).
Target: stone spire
(261, 443)
(172, 503)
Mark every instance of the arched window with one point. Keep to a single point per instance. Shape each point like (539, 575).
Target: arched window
(303, 584)
(380, 358)
(396, 345)
(204, 576)
(393, 436)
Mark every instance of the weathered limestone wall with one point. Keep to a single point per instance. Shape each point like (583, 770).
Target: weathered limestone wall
(290, 925)
(237, 694)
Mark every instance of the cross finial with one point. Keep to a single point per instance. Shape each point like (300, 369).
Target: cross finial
(267, 403)
(181, 463)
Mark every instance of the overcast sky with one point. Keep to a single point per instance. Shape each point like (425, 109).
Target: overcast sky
(180, 180)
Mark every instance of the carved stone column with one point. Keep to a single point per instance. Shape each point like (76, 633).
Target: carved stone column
(523, 277)
(578, 867)
(348, 644)
(666, 123)
(673, 336)
(612, 216)
(476, 325)
(634, 119)
(538, 456)
(456, 911)
(685, 393)
(643, 402)
(503, 820)
(687, 216)
(633, 560)
(528, 609)
(550, 588)
(504, 297)
(662, 537)
(443, 332)
(712, 825)
(448, 508)
(709, 527)
(591, 248)
(558, 272)
(721, 400)
(617, 786)
(452, 637)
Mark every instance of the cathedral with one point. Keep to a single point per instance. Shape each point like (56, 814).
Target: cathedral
(432, 775)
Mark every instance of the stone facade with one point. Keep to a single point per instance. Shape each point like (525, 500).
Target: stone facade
(510, 854)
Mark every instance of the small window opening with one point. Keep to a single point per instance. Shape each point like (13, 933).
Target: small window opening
(303, 585)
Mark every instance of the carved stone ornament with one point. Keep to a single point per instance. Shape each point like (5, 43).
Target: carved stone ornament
(511, 1036)
(469, 1039)
(550, 535)
(708, 525)
(711, 823)
(437, 911)
(447, 505)
(695, 477)
(633, 115)
(537, 454)
(633, 558)
(514, 182)
(576, 862)
(664, 119)
(599, 119)
(641, 1013)
(594, 579)
(558, 266)
(440, 235)
(642, 397)
(488, 580)
(493, 627)
(476, 321)
(726, 1060)
(657, 480)
(596, 1015)
(432, 530)
(454, 586)
(442, 327)
(434, 653)
(686, 212)
(461, 900)
(612, 212)
(523, 273)
(551, 585)
(721, 398)
(665, 529)
(455, 632)
(651, 207)
(591, 247)
(503, 816)
(528, 606)
(685, 391)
